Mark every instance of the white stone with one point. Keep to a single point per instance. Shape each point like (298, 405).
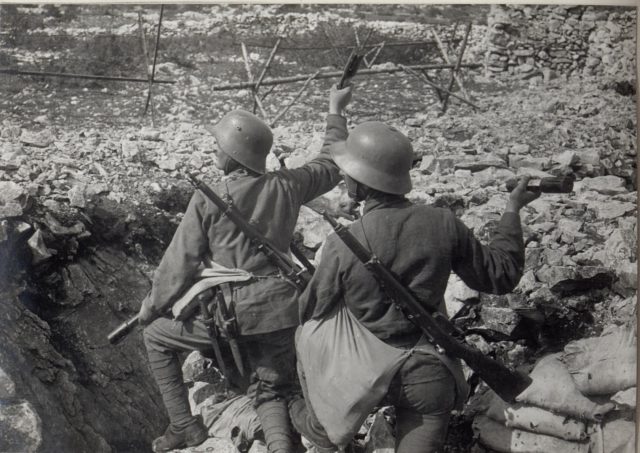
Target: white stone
(606, 185)
(20, 423)
(129, 149)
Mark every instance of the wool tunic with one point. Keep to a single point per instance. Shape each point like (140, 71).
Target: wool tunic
(271, 202)
(421, 245)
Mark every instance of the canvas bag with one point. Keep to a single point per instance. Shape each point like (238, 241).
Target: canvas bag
(347, 371)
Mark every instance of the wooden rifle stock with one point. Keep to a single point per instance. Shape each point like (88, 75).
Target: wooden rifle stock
(443, 334)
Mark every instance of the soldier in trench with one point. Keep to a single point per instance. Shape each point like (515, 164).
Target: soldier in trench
(266, 306)
(421, 245)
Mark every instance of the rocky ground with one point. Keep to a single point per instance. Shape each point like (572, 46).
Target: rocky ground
(91, 191)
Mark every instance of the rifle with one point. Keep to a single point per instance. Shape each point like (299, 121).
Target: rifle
(435, 326)
(298, 276)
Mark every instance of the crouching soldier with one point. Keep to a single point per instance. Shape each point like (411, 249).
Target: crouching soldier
(421, 245)
(266, 305)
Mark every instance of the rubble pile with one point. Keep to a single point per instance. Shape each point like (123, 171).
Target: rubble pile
(526, 41)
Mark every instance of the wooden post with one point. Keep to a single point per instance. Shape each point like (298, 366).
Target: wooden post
(254, 94)
(145, 51)
(414, 73)
(445, 57)
(375, 56)
(155, 56)
(264, 69)
(295, 98)
(334, 74)
(458, 63)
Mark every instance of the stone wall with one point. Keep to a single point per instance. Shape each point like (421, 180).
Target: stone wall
(563, 39)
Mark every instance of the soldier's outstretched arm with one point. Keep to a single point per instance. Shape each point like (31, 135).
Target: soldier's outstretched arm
(495, 268)
(321, 174)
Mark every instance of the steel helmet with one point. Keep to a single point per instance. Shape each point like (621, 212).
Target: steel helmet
(245, 138)
(376, 155)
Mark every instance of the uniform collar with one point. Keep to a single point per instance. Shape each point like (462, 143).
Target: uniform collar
(385, 201)
(237, 174)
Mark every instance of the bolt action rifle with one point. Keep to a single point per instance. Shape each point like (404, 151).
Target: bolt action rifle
(435, 326)
(298, 276)
(295, 274)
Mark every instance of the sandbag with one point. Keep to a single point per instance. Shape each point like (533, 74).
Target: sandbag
(553, 389)
(625, 399)
(347, 371)
(603, 365)
(509, 440)
(536, 420)
(615, 436)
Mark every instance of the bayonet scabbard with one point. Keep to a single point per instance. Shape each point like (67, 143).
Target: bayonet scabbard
(230, 328)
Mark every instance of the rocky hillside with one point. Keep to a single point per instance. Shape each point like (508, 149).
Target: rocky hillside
(91, 192)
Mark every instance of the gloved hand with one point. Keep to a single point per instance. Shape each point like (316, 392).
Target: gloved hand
(520, 196)
(339, 99)
(146, 315)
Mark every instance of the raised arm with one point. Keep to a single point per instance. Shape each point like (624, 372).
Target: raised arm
(495, 268)
(321, 174)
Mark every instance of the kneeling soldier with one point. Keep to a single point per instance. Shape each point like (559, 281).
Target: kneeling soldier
(421, 245)
(266, 306)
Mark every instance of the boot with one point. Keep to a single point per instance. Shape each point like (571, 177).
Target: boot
(276, 426)
(173, 438)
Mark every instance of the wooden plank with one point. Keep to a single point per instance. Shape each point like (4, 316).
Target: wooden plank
(409, 70)
(445, 57)
(147, 63)
(254, 94)
(332, 74)
(295, 98)
(155, 57)
(445, 103)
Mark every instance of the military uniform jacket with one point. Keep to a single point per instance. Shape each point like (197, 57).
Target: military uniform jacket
(421, 245)
(271, 202)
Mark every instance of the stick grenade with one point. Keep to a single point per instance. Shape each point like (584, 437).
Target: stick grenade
(350, 69)
(563, 184)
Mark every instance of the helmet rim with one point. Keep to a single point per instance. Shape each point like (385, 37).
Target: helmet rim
(373, 177)
(248, 149)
